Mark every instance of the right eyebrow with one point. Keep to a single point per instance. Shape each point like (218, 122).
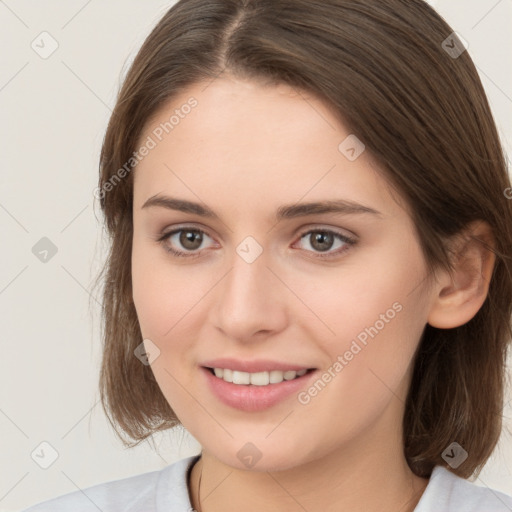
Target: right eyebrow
(181, 205)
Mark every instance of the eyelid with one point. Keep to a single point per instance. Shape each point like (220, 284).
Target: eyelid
(326, 227)
(165, 235)
(180, 227)
(348, 240)
(297, 233)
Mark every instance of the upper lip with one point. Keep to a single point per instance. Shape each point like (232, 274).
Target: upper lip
(260, 365)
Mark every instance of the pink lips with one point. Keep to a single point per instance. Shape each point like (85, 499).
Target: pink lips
(251, 398)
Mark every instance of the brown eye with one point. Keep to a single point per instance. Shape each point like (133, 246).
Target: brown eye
(321, 240)
(184, 241)
(190, 239)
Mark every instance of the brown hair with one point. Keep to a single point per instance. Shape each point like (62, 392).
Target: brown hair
(423, 115)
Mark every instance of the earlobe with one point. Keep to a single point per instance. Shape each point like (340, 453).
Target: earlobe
(459, 297)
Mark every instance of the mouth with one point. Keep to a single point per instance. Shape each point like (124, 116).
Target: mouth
(255, 391)
(264, 378)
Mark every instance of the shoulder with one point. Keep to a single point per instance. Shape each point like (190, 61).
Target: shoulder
(140, 493)
(448, 492)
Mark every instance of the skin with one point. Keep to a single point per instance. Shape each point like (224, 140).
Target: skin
(245, 150)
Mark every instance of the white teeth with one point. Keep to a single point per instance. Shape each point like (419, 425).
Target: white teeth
(241, 377)
(258, 378)
(275, 376)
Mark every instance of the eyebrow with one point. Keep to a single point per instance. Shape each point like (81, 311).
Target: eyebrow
(341, 206)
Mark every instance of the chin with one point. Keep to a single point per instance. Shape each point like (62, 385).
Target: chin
(259, 456)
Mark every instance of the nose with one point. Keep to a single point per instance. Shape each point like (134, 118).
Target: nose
(250, 301)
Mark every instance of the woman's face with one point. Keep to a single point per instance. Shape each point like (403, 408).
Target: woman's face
(340, 290)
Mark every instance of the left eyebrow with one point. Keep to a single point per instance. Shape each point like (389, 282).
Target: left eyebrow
(291, 211)
(342, 206)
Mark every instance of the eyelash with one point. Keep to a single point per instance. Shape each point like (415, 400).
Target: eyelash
(181, 254)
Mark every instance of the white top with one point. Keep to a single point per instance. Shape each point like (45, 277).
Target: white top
(166, 490)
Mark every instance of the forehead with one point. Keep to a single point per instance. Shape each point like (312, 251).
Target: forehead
(251, 145)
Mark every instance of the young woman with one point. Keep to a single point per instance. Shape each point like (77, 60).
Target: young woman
(310, 266)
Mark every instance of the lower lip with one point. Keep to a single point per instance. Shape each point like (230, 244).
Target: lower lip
(250, 398)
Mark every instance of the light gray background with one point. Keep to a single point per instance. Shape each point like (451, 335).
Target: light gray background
(54, 113)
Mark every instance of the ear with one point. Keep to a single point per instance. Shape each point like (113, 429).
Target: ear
(457, 299)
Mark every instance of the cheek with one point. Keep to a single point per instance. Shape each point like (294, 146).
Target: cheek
(365, 313)
(342, 302)
(368, 360)
(164, 297)
(163, 293)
